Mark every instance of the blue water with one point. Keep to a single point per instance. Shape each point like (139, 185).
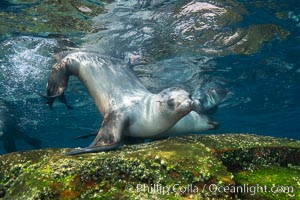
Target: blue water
(194, 45)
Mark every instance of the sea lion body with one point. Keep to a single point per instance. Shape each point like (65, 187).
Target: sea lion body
(127, 107)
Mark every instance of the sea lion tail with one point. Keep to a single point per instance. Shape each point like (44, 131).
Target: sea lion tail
(208, 102)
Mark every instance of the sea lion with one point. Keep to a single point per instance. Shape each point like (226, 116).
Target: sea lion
(127, 107)
(9, 131)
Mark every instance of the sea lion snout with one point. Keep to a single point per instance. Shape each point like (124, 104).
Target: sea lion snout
(188, 103)
(185, 104)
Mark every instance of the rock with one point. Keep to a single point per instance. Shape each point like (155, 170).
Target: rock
(2, 192)
(250, 40)
(68, 17)
(191, 167)
(85, 9)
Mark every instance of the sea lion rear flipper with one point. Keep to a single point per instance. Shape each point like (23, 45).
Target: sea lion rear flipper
(109, 136)
(57, 84)
(9, 146)
(86, 135)
(60, 97)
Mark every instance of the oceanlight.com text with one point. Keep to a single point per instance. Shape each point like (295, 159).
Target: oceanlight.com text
(215, 189)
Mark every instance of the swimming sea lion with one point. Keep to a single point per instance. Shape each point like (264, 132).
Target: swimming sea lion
(9, 131)
(127, 107)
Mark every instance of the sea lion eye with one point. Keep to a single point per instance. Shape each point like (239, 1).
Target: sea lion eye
(171, 102)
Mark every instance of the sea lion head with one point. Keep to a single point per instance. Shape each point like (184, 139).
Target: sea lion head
(175, 102)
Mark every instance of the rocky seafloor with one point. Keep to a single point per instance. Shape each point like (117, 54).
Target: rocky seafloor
(227, 166)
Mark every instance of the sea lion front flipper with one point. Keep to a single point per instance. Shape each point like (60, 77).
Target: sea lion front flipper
(109, 136)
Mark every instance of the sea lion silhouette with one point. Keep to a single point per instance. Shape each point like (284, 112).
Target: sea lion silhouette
(9, 131)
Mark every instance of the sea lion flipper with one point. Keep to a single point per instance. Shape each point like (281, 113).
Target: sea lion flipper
(50, 99)
(109, 136)
(60, 97)
(57, 84)
(94, 150)
(86, 135)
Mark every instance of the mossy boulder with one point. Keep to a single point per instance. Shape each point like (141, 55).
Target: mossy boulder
(191, 167)
(50, 17)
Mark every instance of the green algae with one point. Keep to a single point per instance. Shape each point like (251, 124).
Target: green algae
(73, 17)
(226, 39)
(244, 141)
(281, 183)
(174, 168)
(251, 39)
(50, 17)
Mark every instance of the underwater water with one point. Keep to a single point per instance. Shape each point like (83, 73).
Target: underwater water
(251, 48)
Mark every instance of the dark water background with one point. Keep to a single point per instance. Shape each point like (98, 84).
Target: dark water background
(251, 48)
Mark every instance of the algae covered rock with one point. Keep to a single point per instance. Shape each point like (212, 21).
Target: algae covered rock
(49, 17)
(190, 167)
